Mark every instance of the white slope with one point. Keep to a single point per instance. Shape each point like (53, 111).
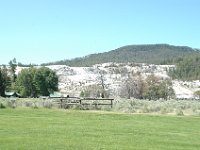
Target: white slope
(72, 80)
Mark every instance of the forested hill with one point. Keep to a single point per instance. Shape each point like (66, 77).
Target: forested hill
(154, 54)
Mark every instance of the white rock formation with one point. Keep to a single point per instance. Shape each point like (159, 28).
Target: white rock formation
(72, 80)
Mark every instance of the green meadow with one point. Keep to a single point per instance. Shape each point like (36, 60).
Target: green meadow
(50, 129)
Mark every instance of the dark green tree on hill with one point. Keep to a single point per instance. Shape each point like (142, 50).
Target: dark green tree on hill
(150, 54)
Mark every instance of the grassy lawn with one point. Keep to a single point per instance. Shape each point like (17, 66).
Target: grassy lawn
(23, 129)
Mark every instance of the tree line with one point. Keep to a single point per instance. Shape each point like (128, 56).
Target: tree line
(150, 54)
(187, 68)
(30, 82)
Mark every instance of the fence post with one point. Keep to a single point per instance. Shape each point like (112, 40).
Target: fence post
(61, 106)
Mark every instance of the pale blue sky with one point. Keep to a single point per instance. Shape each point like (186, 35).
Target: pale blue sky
(40, 31)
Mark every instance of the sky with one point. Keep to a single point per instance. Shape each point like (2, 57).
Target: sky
(40, 31)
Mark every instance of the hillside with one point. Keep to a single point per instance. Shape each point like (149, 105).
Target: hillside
(150, 54)
(73, 80)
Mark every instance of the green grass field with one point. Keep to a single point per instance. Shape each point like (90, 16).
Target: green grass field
(22, 129)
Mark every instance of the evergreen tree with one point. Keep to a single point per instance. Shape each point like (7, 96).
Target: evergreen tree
(13, 66)
(4, 81)
(187, 68)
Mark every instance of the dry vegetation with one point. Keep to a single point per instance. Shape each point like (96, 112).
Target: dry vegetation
(166, 107)
(172, 107)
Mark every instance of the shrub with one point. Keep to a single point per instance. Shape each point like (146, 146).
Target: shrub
(35, 105)
(163, 110)
(197, 113)
(145, 109)
(11, 103)
(77, 107)
(179, 112)
(2, 106)
(47, 104)
(28, 104)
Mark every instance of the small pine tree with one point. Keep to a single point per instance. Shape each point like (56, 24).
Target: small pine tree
(82, 94)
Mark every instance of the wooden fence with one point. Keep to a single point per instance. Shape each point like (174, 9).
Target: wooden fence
(67, 101)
